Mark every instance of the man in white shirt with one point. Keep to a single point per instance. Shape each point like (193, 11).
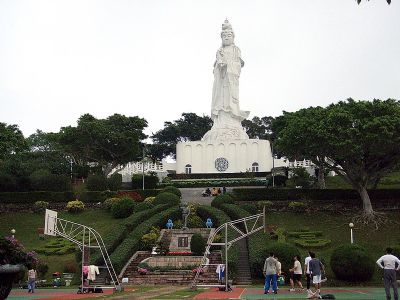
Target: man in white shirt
(295, 274)
(388, 264)
(307, 270)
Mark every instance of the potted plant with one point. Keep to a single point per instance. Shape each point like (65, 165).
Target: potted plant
(13, 258)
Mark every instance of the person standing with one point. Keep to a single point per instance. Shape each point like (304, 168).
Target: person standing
(270, 271)
(307, 270)
(31, 280)
(315, 267)
(388, 263)
(296, 273)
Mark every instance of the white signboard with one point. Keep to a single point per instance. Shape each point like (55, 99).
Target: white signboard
(50, 222)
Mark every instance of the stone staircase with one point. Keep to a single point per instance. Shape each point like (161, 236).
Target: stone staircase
(177, 277)
(243, 266)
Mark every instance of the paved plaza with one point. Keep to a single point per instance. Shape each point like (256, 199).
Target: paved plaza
(356, 293)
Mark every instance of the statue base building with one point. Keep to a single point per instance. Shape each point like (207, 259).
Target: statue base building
(224, 156)
(226, 147)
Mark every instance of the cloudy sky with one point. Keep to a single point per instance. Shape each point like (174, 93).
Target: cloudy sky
(60, 59)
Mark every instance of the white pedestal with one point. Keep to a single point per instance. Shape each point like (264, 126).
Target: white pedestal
(227, 156)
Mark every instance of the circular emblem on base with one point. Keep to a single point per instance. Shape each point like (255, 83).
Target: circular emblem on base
(221, 164)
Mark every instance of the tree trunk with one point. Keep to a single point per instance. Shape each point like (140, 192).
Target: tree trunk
(321, 177)
(367, 205)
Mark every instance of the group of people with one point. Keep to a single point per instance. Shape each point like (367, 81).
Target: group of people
(213, 192)
(313, 269)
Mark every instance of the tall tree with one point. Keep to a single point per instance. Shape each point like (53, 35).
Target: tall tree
(190, 127)
(11, 140)
(259, 128)
(109, 142)
(298, 128)
(360, 140)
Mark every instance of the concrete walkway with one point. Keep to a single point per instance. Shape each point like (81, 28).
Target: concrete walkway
(193, 195)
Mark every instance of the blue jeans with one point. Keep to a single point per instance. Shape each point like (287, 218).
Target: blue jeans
(268, 279)
(31, 285)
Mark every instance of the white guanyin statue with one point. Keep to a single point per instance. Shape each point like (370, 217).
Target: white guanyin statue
(225, 111)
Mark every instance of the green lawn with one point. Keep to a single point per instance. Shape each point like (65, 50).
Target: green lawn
(390, 181)
(26, 225)
(335, 226)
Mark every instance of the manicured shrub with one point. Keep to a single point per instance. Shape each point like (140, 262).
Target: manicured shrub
(96, 182)
(75, 206)
(173, 190)
(120, 231)
(114, 182)
(40, 206)
(135, 196)
(149, 200)
(132, 241)
(167, 198)
(195, 221)
(149, 239)
(250, 208)
(222, 199)
(143, 206)
(123, 208)
(150, 181)
(197, 244)
(217, 216)
(109, 202)
(234, 211)
(352, 263)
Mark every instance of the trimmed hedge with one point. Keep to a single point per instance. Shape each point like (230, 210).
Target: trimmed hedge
(234, 211)
(150, 181)
(173, 190)
(207, 183)
(219, 175)
(132, 242)
(352, 263)
(218, 217)
(48, 196)
(345, 195)
(32, 197)
(121, 230)
(222, 199)
(167, 198)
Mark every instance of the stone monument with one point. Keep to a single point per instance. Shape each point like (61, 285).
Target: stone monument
(226, 147)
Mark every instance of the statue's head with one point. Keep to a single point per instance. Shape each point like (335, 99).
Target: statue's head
(227, 34)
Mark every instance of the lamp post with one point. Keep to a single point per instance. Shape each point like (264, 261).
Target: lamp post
(351, 225)
(143, 169)
(273, 164)
(12, 232)
(71, 167)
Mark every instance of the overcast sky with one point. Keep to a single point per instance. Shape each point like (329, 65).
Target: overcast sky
(61, 59)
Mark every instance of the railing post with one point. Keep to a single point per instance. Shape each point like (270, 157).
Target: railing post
(226, 257)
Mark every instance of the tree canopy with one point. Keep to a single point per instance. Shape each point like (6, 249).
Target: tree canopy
(259, 128)
(190, 127)
(108, 142)
(11, 140)
(359, 140)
